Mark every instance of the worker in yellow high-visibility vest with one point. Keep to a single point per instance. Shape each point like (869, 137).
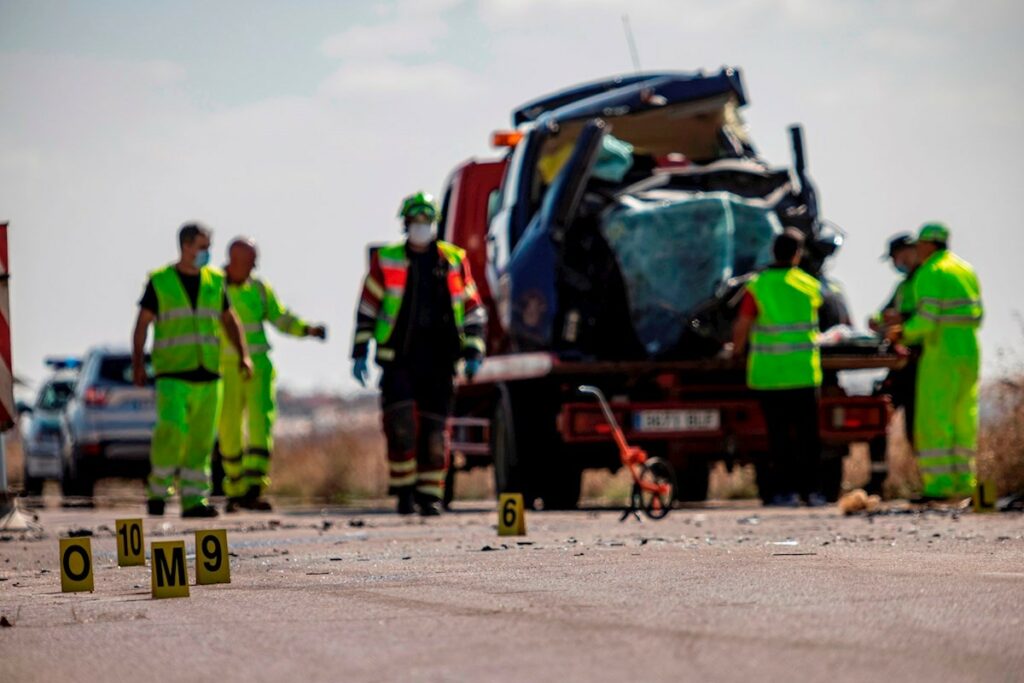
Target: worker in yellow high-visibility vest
(251, 403)
(779, 319)
(945, 324)
(188, 305)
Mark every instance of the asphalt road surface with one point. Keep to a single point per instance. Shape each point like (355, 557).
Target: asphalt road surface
(740, 594)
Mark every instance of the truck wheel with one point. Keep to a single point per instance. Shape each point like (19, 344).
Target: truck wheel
(562, 484)
(507, 475)
(692, 480)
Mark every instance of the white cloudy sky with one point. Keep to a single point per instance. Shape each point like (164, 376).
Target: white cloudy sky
(303, 123)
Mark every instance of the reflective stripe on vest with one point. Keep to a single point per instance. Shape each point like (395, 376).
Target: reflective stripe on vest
(185, 339)
(952, 311)
(783, 342)
(394, 265)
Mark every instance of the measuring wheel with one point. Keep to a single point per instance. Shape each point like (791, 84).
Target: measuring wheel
(656, 489)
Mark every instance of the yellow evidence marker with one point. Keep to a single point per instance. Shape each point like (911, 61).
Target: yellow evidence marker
(985, 496)
(212, 564)
(511, 515)
(131, 547)
(76, 572)
(170, 572)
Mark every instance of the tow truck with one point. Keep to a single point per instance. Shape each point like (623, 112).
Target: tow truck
(566, 301)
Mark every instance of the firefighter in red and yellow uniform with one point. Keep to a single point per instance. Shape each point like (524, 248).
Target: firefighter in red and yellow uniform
(420, 306)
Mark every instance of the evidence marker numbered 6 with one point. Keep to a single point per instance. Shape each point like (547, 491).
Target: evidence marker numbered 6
(511, 515)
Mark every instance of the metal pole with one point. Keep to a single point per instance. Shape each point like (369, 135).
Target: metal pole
(3, 463)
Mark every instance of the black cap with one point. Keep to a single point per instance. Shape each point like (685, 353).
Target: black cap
(900, 241)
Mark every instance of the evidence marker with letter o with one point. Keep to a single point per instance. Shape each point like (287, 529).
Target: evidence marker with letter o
(76, 572)
(212, 564)
(131, 544)
(170, 571)
(511, 515)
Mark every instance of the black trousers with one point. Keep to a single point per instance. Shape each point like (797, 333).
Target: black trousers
(794, 443)
(415, 404)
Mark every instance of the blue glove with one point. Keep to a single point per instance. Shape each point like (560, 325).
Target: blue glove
(360, 371)
(472, 367)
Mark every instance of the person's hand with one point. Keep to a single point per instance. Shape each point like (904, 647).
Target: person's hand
(139, 373)
(318, 331)
(892, 317)
(894, 333)
(471, 368)
(727, 352)
(360, 371)
(245, 365)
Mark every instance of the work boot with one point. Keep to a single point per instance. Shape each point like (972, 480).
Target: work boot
(428, 505)
(155, 507)
(234, 505)
(430, 508)
(783, 500)
(200, 510)
(816, 500)
(256, 502)
(405, 502)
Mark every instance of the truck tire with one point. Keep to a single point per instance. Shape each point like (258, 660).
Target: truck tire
(507, 473)
(692, 477)
(524, 447)
(561, 486)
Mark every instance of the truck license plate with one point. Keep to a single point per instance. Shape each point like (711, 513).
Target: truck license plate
(676, 420)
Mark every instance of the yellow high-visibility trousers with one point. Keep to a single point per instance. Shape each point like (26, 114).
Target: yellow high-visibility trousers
(946, 425)
(246, 426)
(186, 425)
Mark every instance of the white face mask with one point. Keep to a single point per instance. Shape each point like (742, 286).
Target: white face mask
(421, 234)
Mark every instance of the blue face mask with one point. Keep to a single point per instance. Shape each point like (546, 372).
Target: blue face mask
(202, 259)
(903, 269)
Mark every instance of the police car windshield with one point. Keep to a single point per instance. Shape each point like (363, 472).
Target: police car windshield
(54, 395)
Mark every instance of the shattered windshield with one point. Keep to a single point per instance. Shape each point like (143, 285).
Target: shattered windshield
(674, 249)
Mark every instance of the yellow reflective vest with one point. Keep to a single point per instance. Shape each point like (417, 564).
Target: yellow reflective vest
(186, 338)
(255, 302)
(784, 352)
